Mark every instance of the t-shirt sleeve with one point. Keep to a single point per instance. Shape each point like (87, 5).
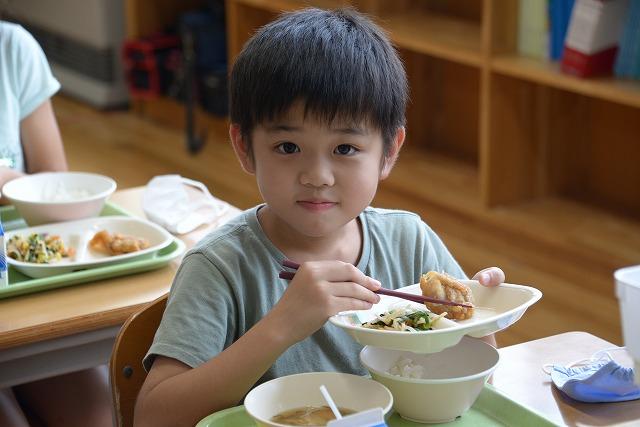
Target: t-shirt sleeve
(199, 316)
(34, 81)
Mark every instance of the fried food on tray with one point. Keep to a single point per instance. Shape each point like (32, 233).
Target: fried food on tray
(116, 243)
(444, 287)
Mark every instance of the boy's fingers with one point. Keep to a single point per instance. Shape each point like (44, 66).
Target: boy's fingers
(354, 291)
(337, 271)
(491, 276)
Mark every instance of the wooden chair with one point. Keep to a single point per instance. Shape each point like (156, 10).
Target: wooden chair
(126, 373)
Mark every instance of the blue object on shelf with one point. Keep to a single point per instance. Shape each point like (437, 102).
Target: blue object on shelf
(559, 16)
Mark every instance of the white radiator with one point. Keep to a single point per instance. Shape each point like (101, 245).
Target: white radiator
(82, 40)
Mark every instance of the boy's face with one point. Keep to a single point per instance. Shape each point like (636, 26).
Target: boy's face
(314, 177)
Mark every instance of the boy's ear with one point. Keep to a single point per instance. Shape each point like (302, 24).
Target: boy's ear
(241, 148)
(390, 159)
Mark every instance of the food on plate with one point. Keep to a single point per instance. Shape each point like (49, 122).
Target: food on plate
(444, 287)
(59, 192)
(404, 319)
(309, 416)
(39, 248)
(404, 367)
(116, 243)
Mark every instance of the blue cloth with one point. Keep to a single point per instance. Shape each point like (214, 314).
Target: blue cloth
(602, 381)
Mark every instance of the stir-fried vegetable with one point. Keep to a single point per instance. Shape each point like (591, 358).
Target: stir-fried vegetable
(37, 248)
(403, 319)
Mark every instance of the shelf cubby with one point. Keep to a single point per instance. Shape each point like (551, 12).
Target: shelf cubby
(620, 91)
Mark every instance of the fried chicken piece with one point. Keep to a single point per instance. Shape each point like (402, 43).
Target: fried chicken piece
(444, 287)
(116, 243)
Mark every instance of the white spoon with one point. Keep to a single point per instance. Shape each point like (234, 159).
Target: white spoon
(330, 402)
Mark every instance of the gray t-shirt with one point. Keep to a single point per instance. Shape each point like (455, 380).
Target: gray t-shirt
(229, 281)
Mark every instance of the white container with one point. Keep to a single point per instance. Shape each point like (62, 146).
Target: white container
(628, 293)
(451, 381)
(4, 268)
(299, 390)
(49, 197)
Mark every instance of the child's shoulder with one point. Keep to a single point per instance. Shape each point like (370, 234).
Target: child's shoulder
(14, 34)
(233, 234)
(395, 224)
(391, 216)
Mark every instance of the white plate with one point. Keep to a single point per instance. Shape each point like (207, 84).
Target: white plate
(497, 308)
(76, 234)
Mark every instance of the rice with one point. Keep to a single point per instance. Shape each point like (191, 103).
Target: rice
(405, 367)
(58, 192)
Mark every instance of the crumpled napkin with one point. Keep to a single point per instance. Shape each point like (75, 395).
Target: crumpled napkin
(167, 202)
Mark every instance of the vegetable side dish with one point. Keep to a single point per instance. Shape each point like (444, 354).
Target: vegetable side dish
(39, 248)
(404, 319)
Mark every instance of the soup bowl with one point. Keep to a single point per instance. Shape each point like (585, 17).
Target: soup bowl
(48, 197)
(435, 387)
(284, 394)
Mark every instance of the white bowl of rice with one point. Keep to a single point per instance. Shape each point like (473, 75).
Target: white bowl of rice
(48, 197)
(434, 387)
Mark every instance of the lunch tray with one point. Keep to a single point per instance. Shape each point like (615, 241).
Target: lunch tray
(20, 284)
(492, 408)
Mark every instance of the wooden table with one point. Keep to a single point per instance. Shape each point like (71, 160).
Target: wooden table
(62, 330)
(520, 376)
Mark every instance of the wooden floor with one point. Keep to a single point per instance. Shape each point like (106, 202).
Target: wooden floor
(577, 295)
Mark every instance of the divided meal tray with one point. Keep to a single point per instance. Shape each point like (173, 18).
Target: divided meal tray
(492, 408)
(20, 284)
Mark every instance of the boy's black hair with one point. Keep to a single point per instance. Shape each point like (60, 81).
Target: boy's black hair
(338, 62)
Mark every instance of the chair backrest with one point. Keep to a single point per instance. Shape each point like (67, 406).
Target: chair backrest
(126, 373)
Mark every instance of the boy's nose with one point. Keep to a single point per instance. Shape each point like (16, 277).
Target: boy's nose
(317, 174)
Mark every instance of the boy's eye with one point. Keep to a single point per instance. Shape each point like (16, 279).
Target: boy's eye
(287, 148)
(345, 149)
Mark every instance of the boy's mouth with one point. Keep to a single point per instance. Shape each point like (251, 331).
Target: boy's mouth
(316, 205)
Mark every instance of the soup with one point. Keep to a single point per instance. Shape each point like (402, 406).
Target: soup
(308, 416)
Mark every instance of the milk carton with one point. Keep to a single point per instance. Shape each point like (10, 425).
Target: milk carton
(628, 293)
(4, 271)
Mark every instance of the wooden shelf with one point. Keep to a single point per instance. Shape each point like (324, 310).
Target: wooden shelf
(433, 34)
(454, 39)
(549, 74)
(575, 230)
(439, 178)
(277, 6)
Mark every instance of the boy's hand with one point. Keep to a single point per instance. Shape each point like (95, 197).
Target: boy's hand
(319, 290)
(491, 276)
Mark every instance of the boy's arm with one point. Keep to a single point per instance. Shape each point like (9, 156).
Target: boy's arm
(174, 394)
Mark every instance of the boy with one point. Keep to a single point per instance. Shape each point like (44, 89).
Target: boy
(317, 113)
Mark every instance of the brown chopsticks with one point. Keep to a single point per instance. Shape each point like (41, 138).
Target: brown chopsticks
(288, 275)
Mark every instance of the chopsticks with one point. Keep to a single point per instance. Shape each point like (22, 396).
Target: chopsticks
(288, 275)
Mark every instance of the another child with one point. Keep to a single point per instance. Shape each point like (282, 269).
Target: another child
(30, 142)
(317, 112)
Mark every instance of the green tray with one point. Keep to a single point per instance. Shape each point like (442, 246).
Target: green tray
(491, 409)
(20, 284)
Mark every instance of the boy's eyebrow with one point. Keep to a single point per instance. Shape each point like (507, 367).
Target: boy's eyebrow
(350, 130)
